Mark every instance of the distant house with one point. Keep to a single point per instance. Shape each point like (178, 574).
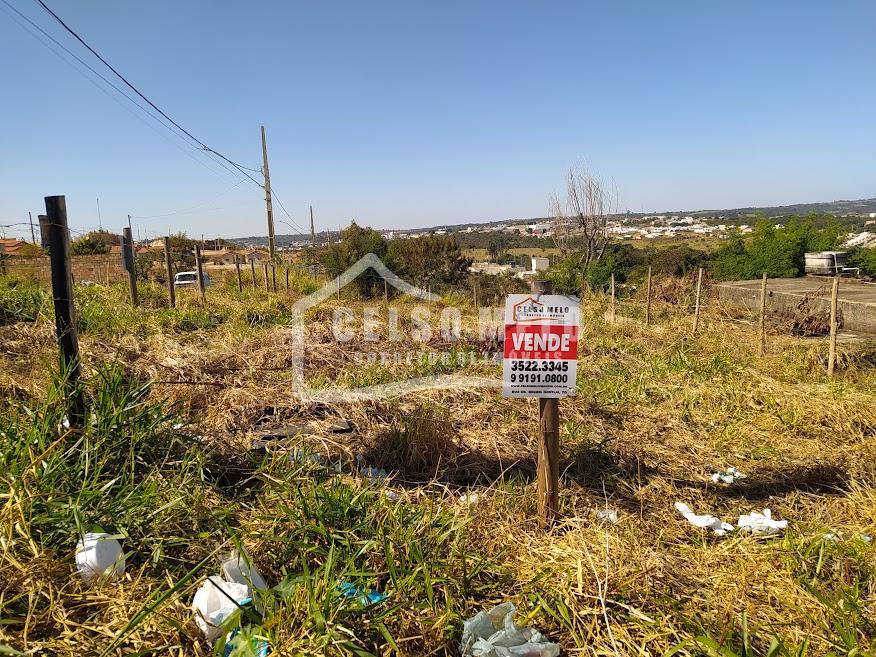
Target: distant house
(219, 257)
(255, 256)
(12, 247)
(540, 263)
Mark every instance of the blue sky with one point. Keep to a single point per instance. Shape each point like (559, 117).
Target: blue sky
(404, 114)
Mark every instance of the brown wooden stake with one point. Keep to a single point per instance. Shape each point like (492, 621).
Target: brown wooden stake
(274, 278)
(201, 287)
(548, 473)
(287, 278)
(648, 301)
(168, 265)
(58, 238)
(831, 358)
(696, 322)
(761, 343)
(267, 280)
(239, 279)
(130, 266)
(613, 301)
(252, 268)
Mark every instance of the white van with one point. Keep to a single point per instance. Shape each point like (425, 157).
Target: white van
(189, 279)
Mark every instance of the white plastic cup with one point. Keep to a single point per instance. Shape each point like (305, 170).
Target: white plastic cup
(99, 556)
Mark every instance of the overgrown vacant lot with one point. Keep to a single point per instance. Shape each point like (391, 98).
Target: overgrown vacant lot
(165, 459)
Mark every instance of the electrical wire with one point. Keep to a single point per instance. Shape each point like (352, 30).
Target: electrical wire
(204, 146)
(286, 212)
(133, 101)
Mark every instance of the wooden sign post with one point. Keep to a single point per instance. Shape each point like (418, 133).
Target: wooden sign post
(541, 360)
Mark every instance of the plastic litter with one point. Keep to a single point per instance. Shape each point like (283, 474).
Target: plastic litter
(469, 498)
(727, 476)
(239, 568)
(607, 515)
(705, 521)
(298, 455)
(214, 603)
(761, 524)
(493, 634)
(258, 647)
(350, 590)
(99, 556)
(391, 495)
(373, 474)
(830, 536)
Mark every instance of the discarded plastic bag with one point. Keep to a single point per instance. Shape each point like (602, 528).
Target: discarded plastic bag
(99, 556)
(761, 524)
(239, 568)
(258, 647)
(607, 515)
(350, 590)
(493, 634)
(214, 602)
(705, 521)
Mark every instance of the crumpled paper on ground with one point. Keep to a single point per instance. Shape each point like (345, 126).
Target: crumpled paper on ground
(727, 476)
(761, 524)
(493, 634)
(705, 521)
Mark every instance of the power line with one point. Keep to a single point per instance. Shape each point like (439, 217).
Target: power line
(237, 166)
(127, 97)
(286, 212)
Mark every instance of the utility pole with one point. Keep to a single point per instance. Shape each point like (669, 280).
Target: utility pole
(270, 209)
(129, 221)
(312, 231)
(32, 235)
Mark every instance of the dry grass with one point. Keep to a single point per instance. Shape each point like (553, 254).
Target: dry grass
(656, 409)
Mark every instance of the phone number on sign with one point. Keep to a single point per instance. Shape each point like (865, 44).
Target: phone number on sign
(540, 366)
(539, 378)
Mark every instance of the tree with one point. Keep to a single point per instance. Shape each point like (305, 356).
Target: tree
(433, 259)
(585, 214)
(94, 243)
(356, 242)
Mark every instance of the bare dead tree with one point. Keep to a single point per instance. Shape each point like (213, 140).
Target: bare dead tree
(585, 215)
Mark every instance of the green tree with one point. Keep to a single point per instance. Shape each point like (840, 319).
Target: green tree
(94, 243)
(355, 243)
(435, 259)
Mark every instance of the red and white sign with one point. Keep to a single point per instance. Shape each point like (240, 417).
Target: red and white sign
(541, 345)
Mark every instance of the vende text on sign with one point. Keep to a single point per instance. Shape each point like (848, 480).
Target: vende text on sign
(541, 345)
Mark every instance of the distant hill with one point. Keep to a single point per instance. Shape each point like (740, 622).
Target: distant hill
(856, 207)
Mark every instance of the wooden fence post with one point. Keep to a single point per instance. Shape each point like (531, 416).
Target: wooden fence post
(130, 265)
(252, 269)
(548, 468)
(65, 309)
(696, 322)
(274, 278)
(761, 342)
(239, 279)
(613, 301)
(200, 269)
(385, 291)
(168, 265)
(287, 277)
(648, 301)
(267, 280)
(831, 358)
